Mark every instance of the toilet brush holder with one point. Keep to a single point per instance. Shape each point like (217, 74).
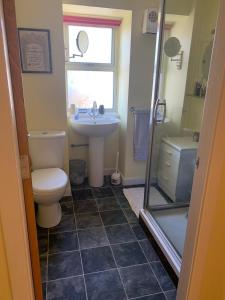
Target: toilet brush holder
(115, 179)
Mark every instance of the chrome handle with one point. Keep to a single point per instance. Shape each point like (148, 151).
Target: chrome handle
(157, 105)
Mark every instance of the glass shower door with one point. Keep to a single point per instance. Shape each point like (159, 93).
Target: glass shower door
(183, 53)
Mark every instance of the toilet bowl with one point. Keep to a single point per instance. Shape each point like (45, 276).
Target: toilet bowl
(49, 187)
(49, 181)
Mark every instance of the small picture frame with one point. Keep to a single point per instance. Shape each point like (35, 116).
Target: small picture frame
(35, 50)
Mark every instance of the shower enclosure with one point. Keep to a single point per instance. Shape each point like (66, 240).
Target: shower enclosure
(184, 46)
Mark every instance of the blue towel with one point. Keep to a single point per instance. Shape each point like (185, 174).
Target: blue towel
(141, 135)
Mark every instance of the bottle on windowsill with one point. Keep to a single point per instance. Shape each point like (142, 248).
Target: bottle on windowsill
(101, 109)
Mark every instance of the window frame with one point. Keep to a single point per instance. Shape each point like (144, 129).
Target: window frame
(88, 66)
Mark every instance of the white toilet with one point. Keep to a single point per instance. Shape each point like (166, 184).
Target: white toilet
(48, 179)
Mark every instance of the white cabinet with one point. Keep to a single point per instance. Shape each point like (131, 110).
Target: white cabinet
(176, 167)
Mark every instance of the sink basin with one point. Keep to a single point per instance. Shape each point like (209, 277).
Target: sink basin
(96, 129)
(100, 127)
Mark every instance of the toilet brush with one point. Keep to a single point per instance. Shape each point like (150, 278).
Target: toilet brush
(116, 178)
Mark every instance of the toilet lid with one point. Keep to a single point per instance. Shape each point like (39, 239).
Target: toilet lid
(48, 180)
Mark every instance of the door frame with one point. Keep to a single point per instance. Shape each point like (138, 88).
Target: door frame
(14, 73)
(12, 210)
(195, 239)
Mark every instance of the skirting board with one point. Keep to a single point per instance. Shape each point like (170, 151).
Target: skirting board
(132, 180)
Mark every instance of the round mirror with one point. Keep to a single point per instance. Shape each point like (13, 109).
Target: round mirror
(82, 42)
(206, 60)
(172, 47)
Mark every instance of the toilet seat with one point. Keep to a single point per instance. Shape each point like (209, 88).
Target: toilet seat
(48, 181)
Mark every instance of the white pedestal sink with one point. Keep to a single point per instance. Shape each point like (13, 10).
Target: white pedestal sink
(96, 129)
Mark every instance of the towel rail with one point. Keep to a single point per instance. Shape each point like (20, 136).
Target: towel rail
(135, 110)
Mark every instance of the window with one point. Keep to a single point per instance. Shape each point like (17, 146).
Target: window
(91, 77)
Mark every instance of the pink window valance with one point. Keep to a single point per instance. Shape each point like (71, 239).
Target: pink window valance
(89, 21)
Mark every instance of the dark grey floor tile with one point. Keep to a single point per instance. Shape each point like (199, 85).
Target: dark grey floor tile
(85, 206)
(66, 199)
(149, 251)
(67, 289)
(43, 265)
(88, 220)
(171, 295)
(103, 192)
(113, 217)
(163, 277)
(65, 264)
(67, 223)
(44, 286)
(120, 234)
(84, 194)
(139, 232)
(118, 191)
(92, 237)
(159, 296)
(139, 281)
(97, 259)
(67, 208)
(105, 286)
(64, 241)
(123, 202)
(128, 254)
(130, 215)
(43, 244)
(109, 203)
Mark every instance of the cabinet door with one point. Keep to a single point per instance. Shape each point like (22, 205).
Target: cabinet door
(185, 175)
(168, 170)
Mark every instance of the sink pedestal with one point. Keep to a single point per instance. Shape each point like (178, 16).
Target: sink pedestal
(96, 161)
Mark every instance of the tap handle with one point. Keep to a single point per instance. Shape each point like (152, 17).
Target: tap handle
(95, 105)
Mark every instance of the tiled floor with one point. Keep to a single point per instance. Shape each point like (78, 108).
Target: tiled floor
(100, 252)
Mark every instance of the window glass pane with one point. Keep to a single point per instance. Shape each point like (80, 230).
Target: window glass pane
(84, 87)
(100, 44)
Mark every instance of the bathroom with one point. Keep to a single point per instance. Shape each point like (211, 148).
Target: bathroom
(119, 241)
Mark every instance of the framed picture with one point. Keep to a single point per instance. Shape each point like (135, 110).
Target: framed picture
(35, 50)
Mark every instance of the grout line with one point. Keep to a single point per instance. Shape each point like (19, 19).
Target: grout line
(102, 226)
(115, 261)
(140, 297)
(65, 278)
(151, 268)
(168, 291)
(66, 231)
(81, 261)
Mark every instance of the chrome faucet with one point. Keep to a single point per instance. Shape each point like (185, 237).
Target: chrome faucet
(94, 110)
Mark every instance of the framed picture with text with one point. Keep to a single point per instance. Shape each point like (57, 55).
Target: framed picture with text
(35, 50)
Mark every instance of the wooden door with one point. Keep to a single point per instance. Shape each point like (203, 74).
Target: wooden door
(16, 79)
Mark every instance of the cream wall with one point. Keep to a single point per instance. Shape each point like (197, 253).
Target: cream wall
(122, 57)
(44, 94)
(45, 97)
(135, 64)
(175, 80)
(205, 21)
(135, 91)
